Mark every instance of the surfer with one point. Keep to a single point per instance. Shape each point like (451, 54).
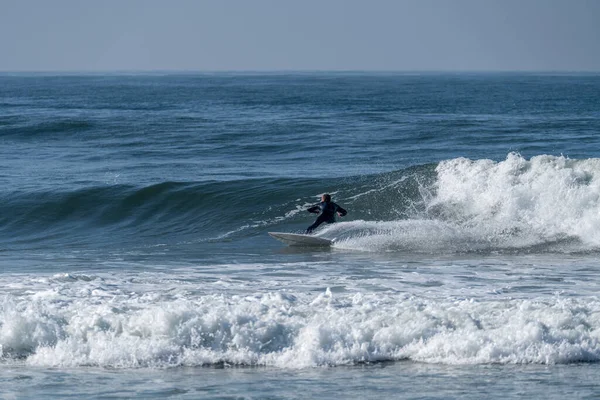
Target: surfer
(327, 208)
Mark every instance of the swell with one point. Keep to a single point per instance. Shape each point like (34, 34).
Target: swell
(10, 127)
(545, 204)
(196, 209)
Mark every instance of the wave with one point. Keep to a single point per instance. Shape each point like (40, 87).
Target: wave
(119, 212)
(10, 127)
(87, 321)
(546, 203)
(546, 199)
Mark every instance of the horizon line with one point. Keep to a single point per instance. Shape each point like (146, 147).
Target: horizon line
(295, 71)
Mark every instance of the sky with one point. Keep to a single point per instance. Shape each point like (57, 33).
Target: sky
(300, 35)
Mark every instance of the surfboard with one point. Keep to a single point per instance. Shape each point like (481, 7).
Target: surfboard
(295, 239)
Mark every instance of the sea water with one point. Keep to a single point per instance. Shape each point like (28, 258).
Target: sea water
(135, 260)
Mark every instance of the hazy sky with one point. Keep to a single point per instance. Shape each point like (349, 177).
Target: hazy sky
(213, 35)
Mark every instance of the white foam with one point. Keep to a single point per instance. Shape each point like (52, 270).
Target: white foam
(547, 203)
(546, 197)
(291, 330)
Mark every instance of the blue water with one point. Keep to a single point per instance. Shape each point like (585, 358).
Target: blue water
(135, 259)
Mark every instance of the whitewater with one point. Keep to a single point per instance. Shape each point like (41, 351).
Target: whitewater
(135, 259)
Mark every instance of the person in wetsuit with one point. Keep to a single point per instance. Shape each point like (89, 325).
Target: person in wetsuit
(327, 208)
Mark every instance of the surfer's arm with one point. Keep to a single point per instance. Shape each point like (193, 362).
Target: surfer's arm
(314, 209)
(341, 212)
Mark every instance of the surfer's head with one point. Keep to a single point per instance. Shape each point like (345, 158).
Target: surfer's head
(326, 197)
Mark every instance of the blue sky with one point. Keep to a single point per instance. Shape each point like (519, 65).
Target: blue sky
(257, 35)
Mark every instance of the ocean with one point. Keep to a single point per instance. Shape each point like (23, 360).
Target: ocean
(135, 260)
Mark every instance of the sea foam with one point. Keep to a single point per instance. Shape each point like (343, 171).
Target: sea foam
(292, 330)
(549, 197)
(545, 204)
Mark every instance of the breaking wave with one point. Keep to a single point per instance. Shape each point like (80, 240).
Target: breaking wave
(546, 203)
(97, 321)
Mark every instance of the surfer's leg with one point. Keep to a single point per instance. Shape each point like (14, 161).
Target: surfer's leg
(314, 226)
(311, 228)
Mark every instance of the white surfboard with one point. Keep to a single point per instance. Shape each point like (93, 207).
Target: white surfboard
(295, 239)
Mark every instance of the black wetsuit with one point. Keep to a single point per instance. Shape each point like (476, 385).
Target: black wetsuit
(328, 210)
